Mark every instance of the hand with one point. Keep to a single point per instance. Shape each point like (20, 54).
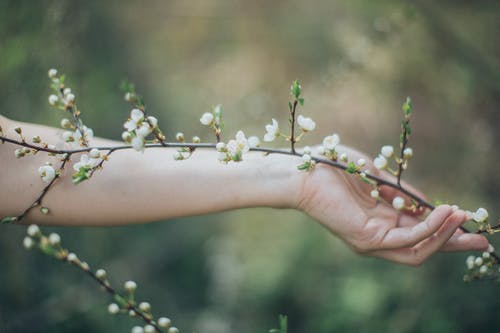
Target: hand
(342, 203)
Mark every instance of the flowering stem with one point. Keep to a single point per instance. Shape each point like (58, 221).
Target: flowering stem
(404, 142)
(379, 181)
(38, 200)
(292, 127)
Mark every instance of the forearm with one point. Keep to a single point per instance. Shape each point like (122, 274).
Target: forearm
(135, 187)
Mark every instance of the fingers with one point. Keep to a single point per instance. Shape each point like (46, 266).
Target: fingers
(466, 242)
(408, 236)
(419, 253)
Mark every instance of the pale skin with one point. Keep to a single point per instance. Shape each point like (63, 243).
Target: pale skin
(138, 188)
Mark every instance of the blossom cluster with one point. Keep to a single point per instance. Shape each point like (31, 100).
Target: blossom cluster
(138, 128)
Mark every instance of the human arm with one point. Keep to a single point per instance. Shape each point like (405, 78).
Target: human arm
(135, 187)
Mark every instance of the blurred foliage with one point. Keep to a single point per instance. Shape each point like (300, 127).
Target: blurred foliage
(235, 272)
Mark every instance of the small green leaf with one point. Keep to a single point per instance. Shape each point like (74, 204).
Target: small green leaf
(351, 168)
(81, 175)
(283, 323)
(290, 106)
(301, 101)
(8, 219)
(407, 106)
(296, 89)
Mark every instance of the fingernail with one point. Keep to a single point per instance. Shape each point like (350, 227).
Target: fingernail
(491, 248)
(454, 208)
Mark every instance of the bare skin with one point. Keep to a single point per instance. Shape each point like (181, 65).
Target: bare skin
(137, 188)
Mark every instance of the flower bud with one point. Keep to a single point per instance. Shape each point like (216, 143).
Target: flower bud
(173, 330)
(483, 269)
(153, 121)
(101, 274)
(380, 162)
(28, 243)
(65, 123)
(306, 158)
(374, 194)
(470, 262)
(126, 136)
(320, 150)
(54, 239)
(72, 257)
(387, 151)
(94, 153)
(253, 142)
(361, 162)
(207, 118)
(220, 146)
(113, 308)
(130, 286)
(36, 139)
(149, 329)
(398, 203)
(33, 230)
(70, 98)
(164, 322)
(486, 255)
(137, 329)
(196, 139)
(408, 153)
(343, 157)
(145, 306)
(53, 99)
(478, 261)
(179, 137)
(67, 91)
(68, 136)
(19, 153)
(52, 73)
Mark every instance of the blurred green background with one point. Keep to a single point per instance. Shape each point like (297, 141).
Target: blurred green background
(235, 272)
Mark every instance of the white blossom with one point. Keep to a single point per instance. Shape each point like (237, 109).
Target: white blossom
(47, 173)
(330, 142)
(306, 123)
(178, 156)
(207, 118)
(220, 146)
(306, 158)
(408, 153)
(144, 130)
(136, 117)
(253, 141)
(87, 132)
(138, 143)
(273, 131)
(53, 99)
(380, 162)
(398, 203)
(238, 146)
(68, 136)
(70, 98)
(196, 139)
(483, 269)
(343, 157)
(85, 162)
(320, 150)
(67, 91)
(153, 121)
(387, 151)
(480, 215)
(173, 330)
(179, 137)
(222, 156)
(374, 194)
(486, 255)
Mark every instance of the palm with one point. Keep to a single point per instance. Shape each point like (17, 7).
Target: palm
(342, 203)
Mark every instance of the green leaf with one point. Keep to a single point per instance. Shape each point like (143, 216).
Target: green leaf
(301, 101)
(290, 106)
(407, 106)
(8, 219)
(283, 323)
(81, 175)
(296, 89)
(351, 168)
